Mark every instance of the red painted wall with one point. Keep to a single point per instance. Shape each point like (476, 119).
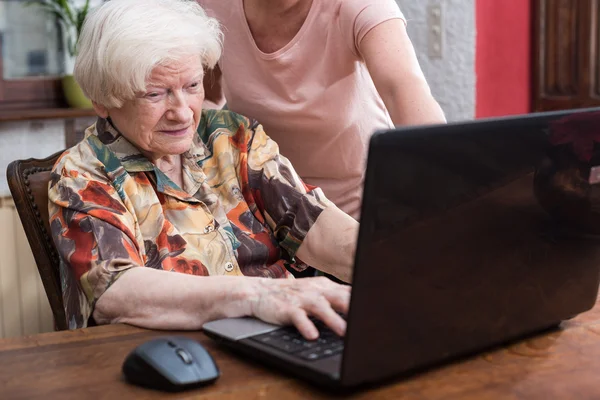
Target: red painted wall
(503, 57)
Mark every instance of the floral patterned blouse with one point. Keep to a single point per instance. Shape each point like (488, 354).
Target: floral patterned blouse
(242, 209)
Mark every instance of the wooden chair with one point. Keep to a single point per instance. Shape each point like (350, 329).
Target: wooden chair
(28, 183)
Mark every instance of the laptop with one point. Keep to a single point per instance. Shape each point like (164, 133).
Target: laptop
(473, 234)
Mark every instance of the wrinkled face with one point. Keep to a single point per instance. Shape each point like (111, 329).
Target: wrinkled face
(163, 119)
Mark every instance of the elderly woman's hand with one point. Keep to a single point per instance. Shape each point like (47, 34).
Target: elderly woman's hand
(292, 301)
(158, 299)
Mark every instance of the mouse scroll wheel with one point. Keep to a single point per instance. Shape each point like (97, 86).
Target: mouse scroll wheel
(184, 355)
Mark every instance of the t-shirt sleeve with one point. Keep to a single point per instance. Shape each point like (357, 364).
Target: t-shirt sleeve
(358, 17)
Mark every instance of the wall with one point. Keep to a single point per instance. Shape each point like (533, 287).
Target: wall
(503, 60)
(24, 307)
(19, 140)
(451, 77)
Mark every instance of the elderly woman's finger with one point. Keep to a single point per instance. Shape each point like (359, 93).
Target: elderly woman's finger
(339, 300)
(337, 295)
(322, 310)
(304, 324)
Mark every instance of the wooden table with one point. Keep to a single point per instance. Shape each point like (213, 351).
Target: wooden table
(85, 364)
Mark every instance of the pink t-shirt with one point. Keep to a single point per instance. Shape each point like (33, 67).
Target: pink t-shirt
(314, 96)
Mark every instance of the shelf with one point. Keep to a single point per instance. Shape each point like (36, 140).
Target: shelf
(47, 113)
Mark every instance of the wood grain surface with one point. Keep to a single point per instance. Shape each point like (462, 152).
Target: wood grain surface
(561, 364)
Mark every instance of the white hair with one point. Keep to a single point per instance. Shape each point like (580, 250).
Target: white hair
(122, 41)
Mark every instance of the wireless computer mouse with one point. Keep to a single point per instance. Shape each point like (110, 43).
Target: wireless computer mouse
(170, 363)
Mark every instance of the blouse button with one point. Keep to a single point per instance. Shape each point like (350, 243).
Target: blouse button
(208, 229)
(228, 267)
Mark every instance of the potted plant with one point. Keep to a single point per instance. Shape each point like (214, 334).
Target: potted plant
(70, 15)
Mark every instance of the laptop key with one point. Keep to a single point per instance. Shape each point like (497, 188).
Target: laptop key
(289, 340)
(329, 352)
(310, 344)
(264, 339)
(338, 348)
(311, 354)
(279, 343)
(318, 353)
(323, 340)
(287, 346)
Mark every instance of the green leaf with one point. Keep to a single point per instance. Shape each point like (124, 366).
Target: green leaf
(71, 45)
(81, 15)
(64, 4)
(70, 17)
(51, 8)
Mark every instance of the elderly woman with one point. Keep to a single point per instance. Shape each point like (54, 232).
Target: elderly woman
(167, 216)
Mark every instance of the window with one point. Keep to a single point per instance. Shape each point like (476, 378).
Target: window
(30, 58)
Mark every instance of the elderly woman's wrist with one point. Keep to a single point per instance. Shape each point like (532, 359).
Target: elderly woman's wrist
(242, 296)
(253, 293)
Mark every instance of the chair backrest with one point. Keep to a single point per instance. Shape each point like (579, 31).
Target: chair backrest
(28, 183)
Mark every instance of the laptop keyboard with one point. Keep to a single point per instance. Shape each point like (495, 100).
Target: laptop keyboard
(289, 340)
